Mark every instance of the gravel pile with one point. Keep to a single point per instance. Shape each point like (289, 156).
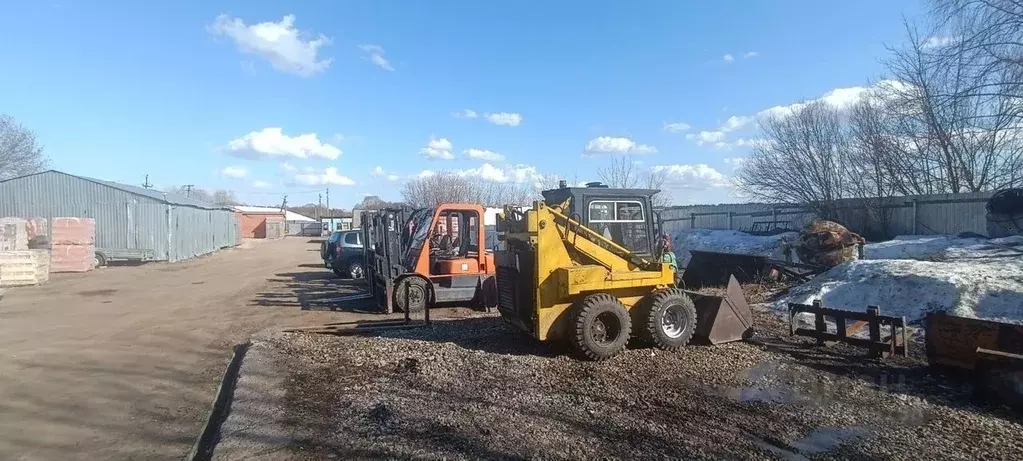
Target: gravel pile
(474, 389)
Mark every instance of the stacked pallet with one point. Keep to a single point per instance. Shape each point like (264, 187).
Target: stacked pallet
(72, 244)
(24, 267)
(13, 234)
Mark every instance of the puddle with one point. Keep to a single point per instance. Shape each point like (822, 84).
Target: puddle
(820, 440)
(91, 293)
(769, 384)
(825, 439)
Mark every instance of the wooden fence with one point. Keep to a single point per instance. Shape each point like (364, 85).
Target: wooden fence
(911, 215)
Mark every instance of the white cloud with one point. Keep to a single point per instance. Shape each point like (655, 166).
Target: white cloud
(728, 58)
(504, 118)
(287, 167)
(465, 113)
(750, 54)
(329, 177)
(735, 162)
(260, 184)
(425, 174)
(287, 49)
(438, 149)
(484, 154)
(676, 127)
(706, 137)
(616, 145)
(376, 56)
(938, 41)
(691, 176)
(379, 171)
(519, 174)
(735, 122)
(236, 172)
(272, 142)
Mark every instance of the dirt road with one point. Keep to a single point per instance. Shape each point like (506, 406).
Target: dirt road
(123, 362)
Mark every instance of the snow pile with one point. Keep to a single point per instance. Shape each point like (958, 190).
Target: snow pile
(913, 275)
(727, 241)
(941, 248)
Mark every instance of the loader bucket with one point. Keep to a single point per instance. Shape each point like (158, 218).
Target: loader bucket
(709, 268)
(722, 319)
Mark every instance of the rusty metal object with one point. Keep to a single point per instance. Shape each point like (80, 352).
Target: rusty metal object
(953, 341)
(879, 346)
(722, 319)
(827, 243)
(709, 268)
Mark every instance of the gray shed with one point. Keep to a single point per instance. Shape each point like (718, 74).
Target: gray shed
(169, 227)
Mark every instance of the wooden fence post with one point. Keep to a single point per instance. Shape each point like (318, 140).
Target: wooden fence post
(692, 221)
(914, 216)
(819, 319)
(729, 220)
(875, 327)
(774, 216)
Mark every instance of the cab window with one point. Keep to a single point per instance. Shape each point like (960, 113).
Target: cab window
(352, 238)
(622, 221)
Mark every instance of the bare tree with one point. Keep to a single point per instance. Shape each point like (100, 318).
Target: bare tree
(20, 154)
(988, 35)
(451, 187)
(799, 160)
(220, 197)
(224, 197)
(623, 172)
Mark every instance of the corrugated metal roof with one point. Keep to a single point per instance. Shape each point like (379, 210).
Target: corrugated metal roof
(256, 209)
(173, 199)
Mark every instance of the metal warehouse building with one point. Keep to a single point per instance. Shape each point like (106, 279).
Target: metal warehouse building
(169, 227)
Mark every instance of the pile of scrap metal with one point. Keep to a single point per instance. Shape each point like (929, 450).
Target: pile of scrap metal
(990, 353)
(826, 243)
(1005, 213)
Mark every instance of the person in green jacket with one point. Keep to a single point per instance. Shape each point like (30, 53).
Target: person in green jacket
(668, 256)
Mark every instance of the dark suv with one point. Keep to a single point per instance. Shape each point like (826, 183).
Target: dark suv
(342, 253)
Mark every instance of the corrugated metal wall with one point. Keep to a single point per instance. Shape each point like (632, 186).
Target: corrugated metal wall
(932, 214)
(123, 220)
(196, 231)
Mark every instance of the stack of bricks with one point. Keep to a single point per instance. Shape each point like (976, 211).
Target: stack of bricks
(72, 244)
(24, 267)
(13, 234)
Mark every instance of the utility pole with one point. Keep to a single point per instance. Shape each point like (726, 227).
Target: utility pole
(319, 206)
(328, 202)
(284, 204)
(188, 189)
(146, 183)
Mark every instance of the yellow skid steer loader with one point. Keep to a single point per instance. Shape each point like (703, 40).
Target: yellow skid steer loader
(582, 266)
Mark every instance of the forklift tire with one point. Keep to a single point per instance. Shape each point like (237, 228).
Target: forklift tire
(670, 319)
(338, 272)
(600, 327)
(418, 294)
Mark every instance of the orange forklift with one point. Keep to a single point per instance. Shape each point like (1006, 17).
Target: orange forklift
(417, 258)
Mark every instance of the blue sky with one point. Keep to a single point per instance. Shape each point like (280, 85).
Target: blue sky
(266, 98)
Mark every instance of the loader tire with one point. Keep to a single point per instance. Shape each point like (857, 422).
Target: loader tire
(418, 295)
(670, 319)
(600, 327)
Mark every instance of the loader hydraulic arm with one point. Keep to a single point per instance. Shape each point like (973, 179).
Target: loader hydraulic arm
(575, 229)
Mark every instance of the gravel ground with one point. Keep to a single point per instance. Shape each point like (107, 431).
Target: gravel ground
(474, 389)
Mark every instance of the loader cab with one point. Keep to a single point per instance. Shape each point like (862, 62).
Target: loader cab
(623, 215)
